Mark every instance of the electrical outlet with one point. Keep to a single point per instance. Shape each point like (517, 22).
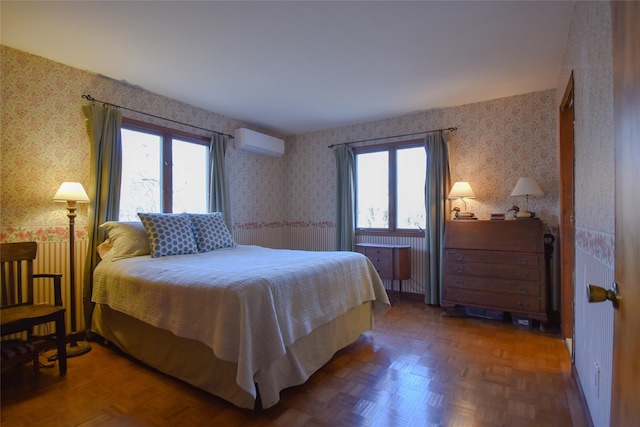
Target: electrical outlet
(596, 380)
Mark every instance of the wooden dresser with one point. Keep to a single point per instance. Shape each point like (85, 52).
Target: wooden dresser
(496, 265)
(392, 262)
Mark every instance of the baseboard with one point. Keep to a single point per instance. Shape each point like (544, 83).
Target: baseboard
(568, 342)
(578, 408)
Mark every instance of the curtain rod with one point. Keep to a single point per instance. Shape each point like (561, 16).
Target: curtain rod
(90, 98)
(451, 129)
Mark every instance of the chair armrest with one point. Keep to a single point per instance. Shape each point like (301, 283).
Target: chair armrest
(57, 285)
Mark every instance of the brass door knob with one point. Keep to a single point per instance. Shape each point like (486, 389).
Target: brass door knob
(599, 294)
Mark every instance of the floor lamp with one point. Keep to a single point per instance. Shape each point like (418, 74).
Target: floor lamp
(73, 193)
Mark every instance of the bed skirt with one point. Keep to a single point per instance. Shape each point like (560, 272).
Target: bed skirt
(195, 363)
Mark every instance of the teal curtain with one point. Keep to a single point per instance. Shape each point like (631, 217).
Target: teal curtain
(219, 200)
(437, 185)
(103, 125)
(345, 224)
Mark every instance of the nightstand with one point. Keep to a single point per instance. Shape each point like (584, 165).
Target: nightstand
(392, 262)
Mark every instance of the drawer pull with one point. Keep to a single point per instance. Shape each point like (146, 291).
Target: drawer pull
(523, 304)
(523, 260)
(460, 282)
(524, 289)
(459, 257)
(378, 260)
(524, 274)
(460, 269)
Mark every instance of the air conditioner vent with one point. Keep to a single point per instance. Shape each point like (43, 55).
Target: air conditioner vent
(256, 142)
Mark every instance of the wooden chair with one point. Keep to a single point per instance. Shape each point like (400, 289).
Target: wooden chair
(20, 313)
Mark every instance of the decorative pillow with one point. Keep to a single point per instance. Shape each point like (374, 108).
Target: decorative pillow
(128, 239)
(169, 234)
(210, 231)
(105, 247)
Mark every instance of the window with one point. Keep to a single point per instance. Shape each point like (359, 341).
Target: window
(390, 188)
(163, 170)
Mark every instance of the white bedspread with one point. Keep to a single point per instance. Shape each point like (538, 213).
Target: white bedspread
(247, 303)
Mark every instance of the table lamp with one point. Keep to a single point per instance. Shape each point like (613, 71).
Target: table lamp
(462, 190)
(526, 187)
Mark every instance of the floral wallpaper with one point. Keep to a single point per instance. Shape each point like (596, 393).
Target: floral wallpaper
(44, 143)
(257, 188)
(39, 234)
(496, 143)
(588, 54)
(42, 127)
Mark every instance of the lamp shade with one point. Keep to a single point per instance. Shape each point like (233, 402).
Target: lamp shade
(527, 187)
(71, 191)
(461, 189)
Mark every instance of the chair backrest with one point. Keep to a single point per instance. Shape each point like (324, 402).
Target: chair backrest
(16, 261)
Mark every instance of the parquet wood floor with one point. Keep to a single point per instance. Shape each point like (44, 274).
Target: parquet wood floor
(415, 369)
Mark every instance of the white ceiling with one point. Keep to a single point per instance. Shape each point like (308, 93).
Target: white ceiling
(300, 66)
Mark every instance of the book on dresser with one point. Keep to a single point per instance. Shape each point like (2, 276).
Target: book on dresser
(495, 265)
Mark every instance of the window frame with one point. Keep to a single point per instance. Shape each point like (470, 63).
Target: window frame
(167, 136)
(391, 148)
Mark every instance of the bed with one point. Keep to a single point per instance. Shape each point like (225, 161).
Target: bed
(239, 321)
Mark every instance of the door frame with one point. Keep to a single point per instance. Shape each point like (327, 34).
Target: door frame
(567, 227)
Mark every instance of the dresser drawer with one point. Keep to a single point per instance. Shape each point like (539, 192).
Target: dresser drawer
(525, 288)
(506, 302)
(508, 236)
(382, 260)
(392, 262)
(494, 257)
(497, 271)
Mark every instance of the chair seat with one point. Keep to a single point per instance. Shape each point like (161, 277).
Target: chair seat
(12, 318)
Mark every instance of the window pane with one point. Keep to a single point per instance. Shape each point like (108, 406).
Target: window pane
(141, 169)
(190, 181)
(411, 169)
(372, 182)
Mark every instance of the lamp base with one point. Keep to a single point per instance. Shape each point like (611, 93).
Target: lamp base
(73, 349)
(460, 216)
(77, 349)
(465, 215)
(525, 214)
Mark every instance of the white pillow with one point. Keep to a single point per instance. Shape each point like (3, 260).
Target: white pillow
(104, 248)
(128, 239)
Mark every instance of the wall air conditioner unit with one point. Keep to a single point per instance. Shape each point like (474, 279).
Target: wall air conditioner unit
(256, 142)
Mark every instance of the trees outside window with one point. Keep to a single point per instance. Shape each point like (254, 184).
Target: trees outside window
(390, 188)
(163, 170)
